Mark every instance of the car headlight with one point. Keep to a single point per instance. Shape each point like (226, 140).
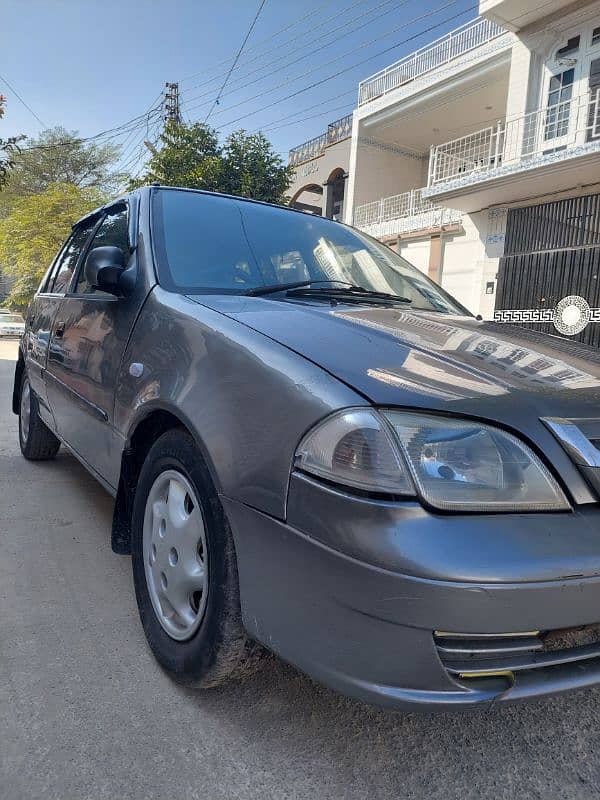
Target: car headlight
(355, 448)
(452, 464)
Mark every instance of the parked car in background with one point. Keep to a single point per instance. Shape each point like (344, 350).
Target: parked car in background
(314, 447)
(11, 324)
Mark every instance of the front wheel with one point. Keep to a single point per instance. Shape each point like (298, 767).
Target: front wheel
(36, 440)
(184, 568)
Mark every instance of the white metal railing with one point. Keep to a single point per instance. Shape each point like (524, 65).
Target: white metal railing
(468, 37)
(336, 132)
(405, 212)
(546, 134)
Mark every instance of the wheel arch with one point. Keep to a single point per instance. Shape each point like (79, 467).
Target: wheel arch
(19, 370)
(143, 433)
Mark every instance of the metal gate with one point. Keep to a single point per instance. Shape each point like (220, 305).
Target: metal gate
(549, 276)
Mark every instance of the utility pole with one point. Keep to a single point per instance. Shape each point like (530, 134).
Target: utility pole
(172, 110)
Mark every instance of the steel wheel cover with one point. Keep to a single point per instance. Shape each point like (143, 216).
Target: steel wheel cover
(175, 554)
(25, 415)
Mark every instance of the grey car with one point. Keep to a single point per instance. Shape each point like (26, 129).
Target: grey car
(314, 449)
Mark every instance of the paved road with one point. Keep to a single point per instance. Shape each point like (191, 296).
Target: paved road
(86, 713)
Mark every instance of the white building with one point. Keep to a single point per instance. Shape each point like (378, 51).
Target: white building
(478, 157)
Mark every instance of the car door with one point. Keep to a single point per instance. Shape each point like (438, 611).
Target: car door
(42, 311)
(90, 332)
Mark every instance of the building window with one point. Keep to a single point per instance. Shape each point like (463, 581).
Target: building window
(596, 35)
(572, 46)
(560, 92)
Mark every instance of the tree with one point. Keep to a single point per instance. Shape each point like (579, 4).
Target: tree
(8, 148)
(34, 229)
(251, 168)
(190, 156)
(61, 156)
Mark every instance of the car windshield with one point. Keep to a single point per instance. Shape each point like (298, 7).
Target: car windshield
(11, 318)
(209, 244)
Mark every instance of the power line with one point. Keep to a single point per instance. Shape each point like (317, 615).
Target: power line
(267, 39)
(321, 114)
(331, 32)
(28, 107)
(125, 146)
(294, 40)
(154, 140)
(346, 69)
(237, 58)
(110, 133)
(319, 67)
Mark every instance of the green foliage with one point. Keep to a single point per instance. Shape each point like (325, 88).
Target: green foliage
(60, 156)
(252, 169)
(190, 156)
(35, 228)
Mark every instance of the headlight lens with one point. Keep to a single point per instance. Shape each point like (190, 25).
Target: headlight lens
(457, 464)
(452, 464)
(355, 448)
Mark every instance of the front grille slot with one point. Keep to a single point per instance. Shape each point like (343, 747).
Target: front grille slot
(488, 654)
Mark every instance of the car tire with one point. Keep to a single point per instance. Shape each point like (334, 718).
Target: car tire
(176, 503)
(36, 440)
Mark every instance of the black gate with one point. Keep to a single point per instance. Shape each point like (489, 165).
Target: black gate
(552, 252)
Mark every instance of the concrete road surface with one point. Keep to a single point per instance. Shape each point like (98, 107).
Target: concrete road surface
(86, 713)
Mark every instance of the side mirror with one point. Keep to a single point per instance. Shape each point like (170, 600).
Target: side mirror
(104, 267)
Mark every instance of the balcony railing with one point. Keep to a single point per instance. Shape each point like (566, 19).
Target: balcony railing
(540, 137)
(402, 213)
(454, 44)
(336, 132)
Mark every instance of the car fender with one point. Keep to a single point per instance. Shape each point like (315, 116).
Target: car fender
(246, 399)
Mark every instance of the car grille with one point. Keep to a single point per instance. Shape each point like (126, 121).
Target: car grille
(481, 655)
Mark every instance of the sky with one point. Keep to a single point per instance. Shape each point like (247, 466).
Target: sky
(91, 67)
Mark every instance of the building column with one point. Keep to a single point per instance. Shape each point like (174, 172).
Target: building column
(434, 269)
(352, 170)
(328, 200)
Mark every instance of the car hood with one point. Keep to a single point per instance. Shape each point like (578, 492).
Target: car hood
(397, 357)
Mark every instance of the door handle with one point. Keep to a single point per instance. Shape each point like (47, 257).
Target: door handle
(58, 332)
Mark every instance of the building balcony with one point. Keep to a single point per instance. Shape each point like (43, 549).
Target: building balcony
(336, 132)
(403, 213)
(548, 150)
(451, 47)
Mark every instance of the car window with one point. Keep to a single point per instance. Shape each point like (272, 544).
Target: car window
(113, 231)
(205, 241)
(211, 243)
(67, 262)
(48, 278)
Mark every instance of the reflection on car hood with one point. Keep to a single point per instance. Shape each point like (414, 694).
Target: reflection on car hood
(395, 356)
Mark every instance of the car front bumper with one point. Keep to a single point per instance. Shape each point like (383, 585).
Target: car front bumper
(352, 590)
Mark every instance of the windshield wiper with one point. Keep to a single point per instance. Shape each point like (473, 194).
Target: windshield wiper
(354, 292)
(282, 287)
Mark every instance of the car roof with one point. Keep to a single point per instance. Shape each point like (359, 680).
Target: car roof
(154, 186)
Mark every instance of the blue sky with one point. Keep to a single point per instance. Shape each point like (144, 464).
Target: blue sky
(91, 67)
